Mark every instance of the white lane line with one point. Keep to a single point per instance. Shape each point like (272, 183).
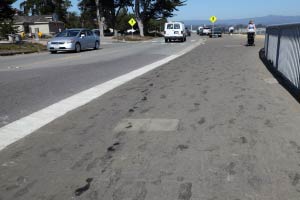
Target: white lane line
(27, 125)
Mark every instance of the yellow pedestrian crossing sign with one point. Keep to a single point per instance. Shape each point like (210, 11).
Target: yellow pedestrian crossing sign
(132, 22)
(213, 19)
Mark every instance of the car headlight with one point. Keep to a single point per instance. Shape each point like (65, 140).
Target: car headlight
(70, 41)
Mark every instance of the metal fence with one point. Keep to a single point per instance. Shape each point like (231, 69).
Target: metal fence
(282, 50)
(259, 31)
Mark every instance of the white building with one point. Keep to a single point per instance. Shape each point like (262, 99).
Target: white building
(35, 24)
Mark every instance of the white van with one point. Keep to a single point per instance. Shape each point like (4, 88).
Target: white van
(174, 31)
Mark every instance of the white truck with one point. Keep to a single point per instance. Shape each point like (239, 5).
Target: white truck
(206, 31)
(174, 31)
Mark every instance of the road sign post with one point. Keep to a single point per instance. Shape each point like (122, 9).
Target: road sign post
(213, 19)
(132, 22)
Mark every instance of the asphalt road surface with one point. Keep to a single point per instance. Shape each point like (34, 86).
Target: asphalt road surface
(29, 83)
(211, 125)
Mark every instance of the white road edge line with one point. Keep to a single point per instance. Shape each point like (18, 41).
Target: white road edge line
(25, 126)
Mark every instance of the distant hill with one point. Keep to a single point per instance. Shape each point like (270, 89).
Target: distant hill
(267, 20)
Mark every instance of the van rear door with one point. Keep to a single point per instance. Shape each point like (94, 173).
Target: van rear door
(177, 29)
(169, 29)
(174, 29)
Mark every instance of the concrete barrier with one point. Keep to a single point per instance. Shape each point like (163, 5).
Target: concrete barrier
(282, 51)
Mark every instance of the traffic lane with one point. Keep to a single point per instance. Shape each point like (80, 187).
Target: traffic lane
(58, 62)
(26, 91)
(107, 51)
(19, 60)
(28, 60)
(231, 142)
(32, 90)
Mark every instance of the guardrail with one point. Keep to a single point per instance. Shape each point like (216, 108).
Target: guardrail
(259, 31)
(282, 50)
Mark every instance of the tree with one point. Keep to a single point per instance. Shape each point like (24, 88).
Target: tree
(88, 13)
(112, 11)
(73, 20)
(156, 24)
(138, 16)
(145, 10)
(6, 17)
(46, 7)
(105, 12)
(108, 12)
(6, 10)
(100, 17)
(37, 7)
(61, 8)
(122, 20)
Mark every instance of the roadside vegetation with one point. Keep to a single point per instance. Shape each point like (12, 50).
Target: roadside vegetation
(109, 16)
(7, 49)
(132, 38)
(95, 14)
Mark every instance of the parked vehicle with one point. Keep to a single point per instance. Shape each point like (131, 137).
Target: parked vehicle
(217, 32)
(188, 32)
(205, 31)
(106, 32)
(96, 32)
(74, 40)
(174, 31)
(129, 31)
(199, 30)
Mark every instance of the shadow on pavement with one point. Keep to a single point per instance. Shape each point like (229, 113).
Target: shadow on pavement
(282, 80)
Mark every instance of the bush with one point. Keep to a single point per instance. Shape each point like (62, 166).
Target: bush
(154, 34)
(7, 28)
(134, 38)
(24, 47)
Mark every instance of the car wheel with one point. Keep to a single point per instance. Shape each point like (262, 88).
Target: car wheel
(166, 40)
(96, 45)
(77, 48)
(53, 52)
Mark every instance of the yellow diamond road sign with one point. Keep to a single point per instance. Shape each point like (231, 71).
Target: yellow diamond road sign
(213, 19)
(132, 22)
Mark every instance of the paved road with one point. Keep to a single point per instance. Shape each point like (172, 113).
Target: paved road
(233, 134)
(29, 83)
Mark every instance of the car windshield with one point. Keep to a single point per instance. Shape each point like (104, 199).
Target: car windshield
(68, 33)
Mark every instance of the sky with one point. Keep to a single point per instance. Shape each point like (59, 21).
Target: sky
(228, 9)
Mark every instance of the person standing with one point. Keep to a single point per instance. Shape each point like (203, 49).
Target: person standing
(251, 29)
(231, 30)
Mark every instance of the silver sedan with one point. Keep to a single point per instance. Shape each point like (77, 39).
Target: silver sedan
(74, 40)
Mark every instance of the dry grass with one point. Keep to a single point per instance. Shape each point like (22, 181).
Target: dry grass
(23, 47)
(133, 38)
